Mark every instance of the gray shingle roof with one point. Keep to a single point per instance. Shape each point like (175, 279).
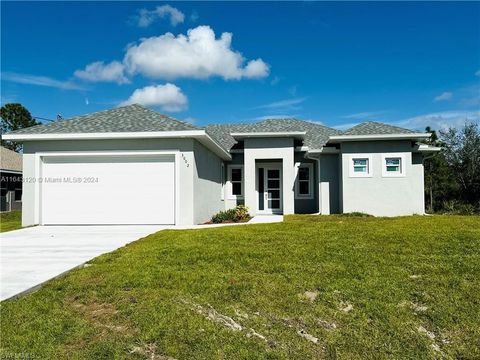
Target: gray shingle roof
(10, 160)
(136, 118)
(131, 118)
(376, 128)
(316, 134)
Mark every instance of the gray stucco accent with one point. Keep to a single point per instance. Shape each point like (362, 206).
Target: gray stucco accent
(378, 195)
(329, 180)
(307, 206)
(207, 186)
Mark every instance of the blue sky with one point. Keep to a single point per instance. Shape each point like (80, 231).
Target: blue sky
(410, 64)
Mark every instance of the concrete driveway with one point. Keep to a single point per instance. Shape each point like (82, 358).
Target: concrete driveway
(31, 256)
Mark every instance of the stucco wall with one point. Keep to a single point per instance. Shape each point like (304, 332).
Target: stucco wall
(30, 213)
(207, 188)
(329, 183)
(379, 195)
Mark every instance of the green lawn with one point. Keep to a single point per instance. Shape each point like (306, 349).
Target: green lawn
(10, 221)
(378, 288)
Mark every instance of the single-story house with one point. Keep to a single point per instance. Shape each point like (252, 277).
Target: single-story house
(132, 165)
(11, 180)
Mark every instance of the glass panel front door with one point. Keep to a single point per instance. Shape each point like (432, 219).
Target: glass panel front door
(273, 190)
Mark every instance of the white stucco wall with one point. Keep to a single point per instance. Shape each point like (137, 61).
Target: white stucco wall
(269, 149)
(186, 166)
(379, 195)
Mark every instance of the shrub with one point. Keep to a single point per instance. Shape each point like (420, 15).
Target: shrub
(459, 208)
(241, 213)
(236, 214)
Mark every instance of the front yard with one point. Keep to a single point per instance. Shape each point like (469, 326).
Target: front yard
(311, 287)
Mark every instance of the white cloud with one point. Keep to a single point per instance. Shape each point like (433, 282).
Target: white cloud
(40, 81)
(288, 103)
(169, 97)
(446, 95)
(477, 73)
(441, 120)
(146, 17)
(99, 71)
(195, 55)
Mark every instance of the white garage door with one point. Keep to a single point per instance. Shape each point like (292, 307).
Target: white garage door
(116, 189)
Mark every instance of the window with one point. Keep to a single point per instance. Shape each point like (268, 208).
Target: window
(304, 181)
(360, 165)
(235, 181)
(393, 165)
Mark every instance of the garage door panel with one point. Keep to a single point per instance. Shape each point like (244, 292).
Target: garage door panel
(108, 190)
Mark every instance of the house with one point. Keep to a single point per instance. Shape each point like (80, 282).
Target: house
(132, 165)
(11, 180)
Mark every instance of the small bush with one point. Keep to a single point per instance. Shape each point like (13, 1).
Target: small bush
(236, 214)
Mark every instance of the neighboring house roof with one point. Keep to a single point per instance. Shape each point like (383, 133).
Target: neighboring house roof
(10, 160)
(376, 128)
(316, 134)
(131, 118)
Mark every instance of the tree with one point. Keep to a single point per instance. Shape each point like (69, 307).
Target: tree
(440, 186)
(462, 154)
(14, 117)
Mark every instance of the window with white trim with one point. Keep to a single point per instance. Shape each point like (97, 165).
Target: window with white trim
(360, 165)
(393, 165)
(235, 181)
(304, 181)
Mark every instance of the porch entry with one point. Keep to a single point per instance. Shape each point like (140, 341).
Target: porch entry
(269, 188)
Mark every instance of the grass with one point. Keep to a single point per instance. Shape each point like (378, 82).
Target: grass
(10, 221)
(402, 288)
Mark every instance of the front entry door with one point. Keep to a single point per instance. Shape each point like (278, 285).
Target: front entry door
(272, 189)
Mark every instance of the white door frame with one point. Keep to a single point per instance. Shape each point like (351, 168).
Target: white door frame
(39, 165)
(268, 166)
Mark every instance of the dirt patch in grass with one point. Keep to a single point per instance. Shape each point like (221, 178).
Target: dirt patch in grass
(103, 316)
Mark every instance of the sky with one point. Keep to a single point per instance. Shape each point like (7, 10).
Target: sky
(410, 64)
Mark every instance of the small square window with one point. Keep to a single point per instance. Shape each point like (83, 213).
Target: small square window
(393, 164)
(360, 165)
